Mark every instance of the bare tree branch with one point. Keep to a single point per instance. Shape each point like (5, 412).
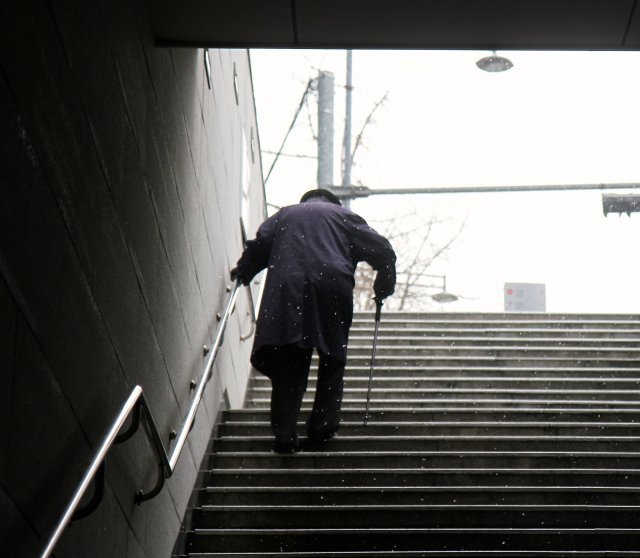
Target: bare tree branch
(369, 120)
(413, 238)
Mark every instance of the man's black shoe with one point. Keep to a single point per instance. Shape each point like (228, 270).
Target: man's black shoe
(286, 449)
(320, 437)
(316, 441)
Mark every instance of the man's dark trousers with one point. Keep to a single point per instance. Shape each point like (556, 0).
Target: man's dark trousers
(288, 368)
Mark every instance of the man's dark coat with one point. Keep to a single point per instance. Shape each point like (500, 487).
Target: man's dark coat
(311, 250)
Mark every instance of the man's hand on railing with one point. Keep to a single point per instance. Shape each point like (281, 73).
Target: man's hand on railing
(236, 277)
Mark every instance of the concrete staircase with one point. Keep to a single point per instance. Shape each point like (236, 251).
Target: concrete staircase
(490, 435)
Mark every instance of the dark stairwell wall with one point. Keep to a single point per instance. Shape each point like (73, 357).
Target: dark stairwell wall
(121, 181)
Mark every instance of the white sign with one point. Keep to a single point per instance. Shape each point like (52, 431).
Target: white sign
(525, 297)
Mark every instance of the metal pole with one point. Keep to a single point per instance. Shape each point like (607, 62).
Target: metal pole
(373, 358)
(325, 129)
(346, 143)
(364, 191)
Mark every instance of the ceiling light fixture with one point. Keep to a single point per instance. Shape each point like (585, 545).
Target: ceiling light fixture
(494, 63)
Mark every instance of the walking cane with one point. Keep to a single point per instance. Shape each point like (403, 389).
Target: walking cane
(373, 357)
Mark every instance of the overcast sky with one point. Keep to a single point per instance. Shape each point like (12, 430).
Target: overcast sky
(554, 118)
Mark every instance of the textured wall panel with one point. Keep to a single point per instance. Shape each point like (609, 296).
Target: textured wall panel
(21, 532)
(119, 222)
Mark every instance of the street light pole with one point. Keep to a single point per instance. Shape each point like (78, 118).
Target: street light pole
(346, 144)
(325, 129)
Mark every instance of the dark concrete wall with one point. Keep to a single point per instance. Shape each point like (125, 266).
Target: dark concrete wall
(121, 179)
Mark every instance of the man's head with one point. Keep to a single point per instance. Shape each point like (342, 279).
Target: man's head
(320, 193)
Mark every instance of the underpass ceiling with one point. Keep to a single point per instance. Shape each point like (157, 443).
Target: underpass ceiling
(429, 24)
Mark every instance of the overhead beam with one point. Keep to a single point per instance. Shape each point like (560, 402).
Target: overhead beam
(414, 24)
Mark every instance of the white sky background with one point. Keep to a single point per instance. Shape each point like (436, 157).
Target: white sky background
(554, 118)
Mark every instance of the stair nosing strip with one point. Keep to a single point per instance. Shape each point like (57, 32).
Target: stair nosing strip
(379, 437)
(445, 410)
(425, 454)
(414, 507)
(414, 470)
(399, 488)
(577, 392)
(370, 530)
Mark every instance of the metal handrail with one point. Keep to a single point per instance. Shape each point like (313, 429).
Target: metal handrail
(133, 404)
(206, 376)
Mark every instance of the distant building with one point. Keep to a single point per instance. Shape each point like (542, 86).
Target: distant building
(525, 297)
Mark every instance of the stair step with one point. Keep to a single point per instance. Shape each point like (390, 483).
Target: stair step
(539, 381)
(441, 321)
(461, 477)
(499, 392)
(493, 350)
(446, 443)
(350, 404)
(406, 428)
(558, 317)
(491, 434)
(414, 539)
(423, 554)
(446, 414)
(355, 404)
(312, 497)
(393, 460)
(446, 358)
(496, 327)
(410, 342)
(419, 515)
(609, 334)
(472, 370)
